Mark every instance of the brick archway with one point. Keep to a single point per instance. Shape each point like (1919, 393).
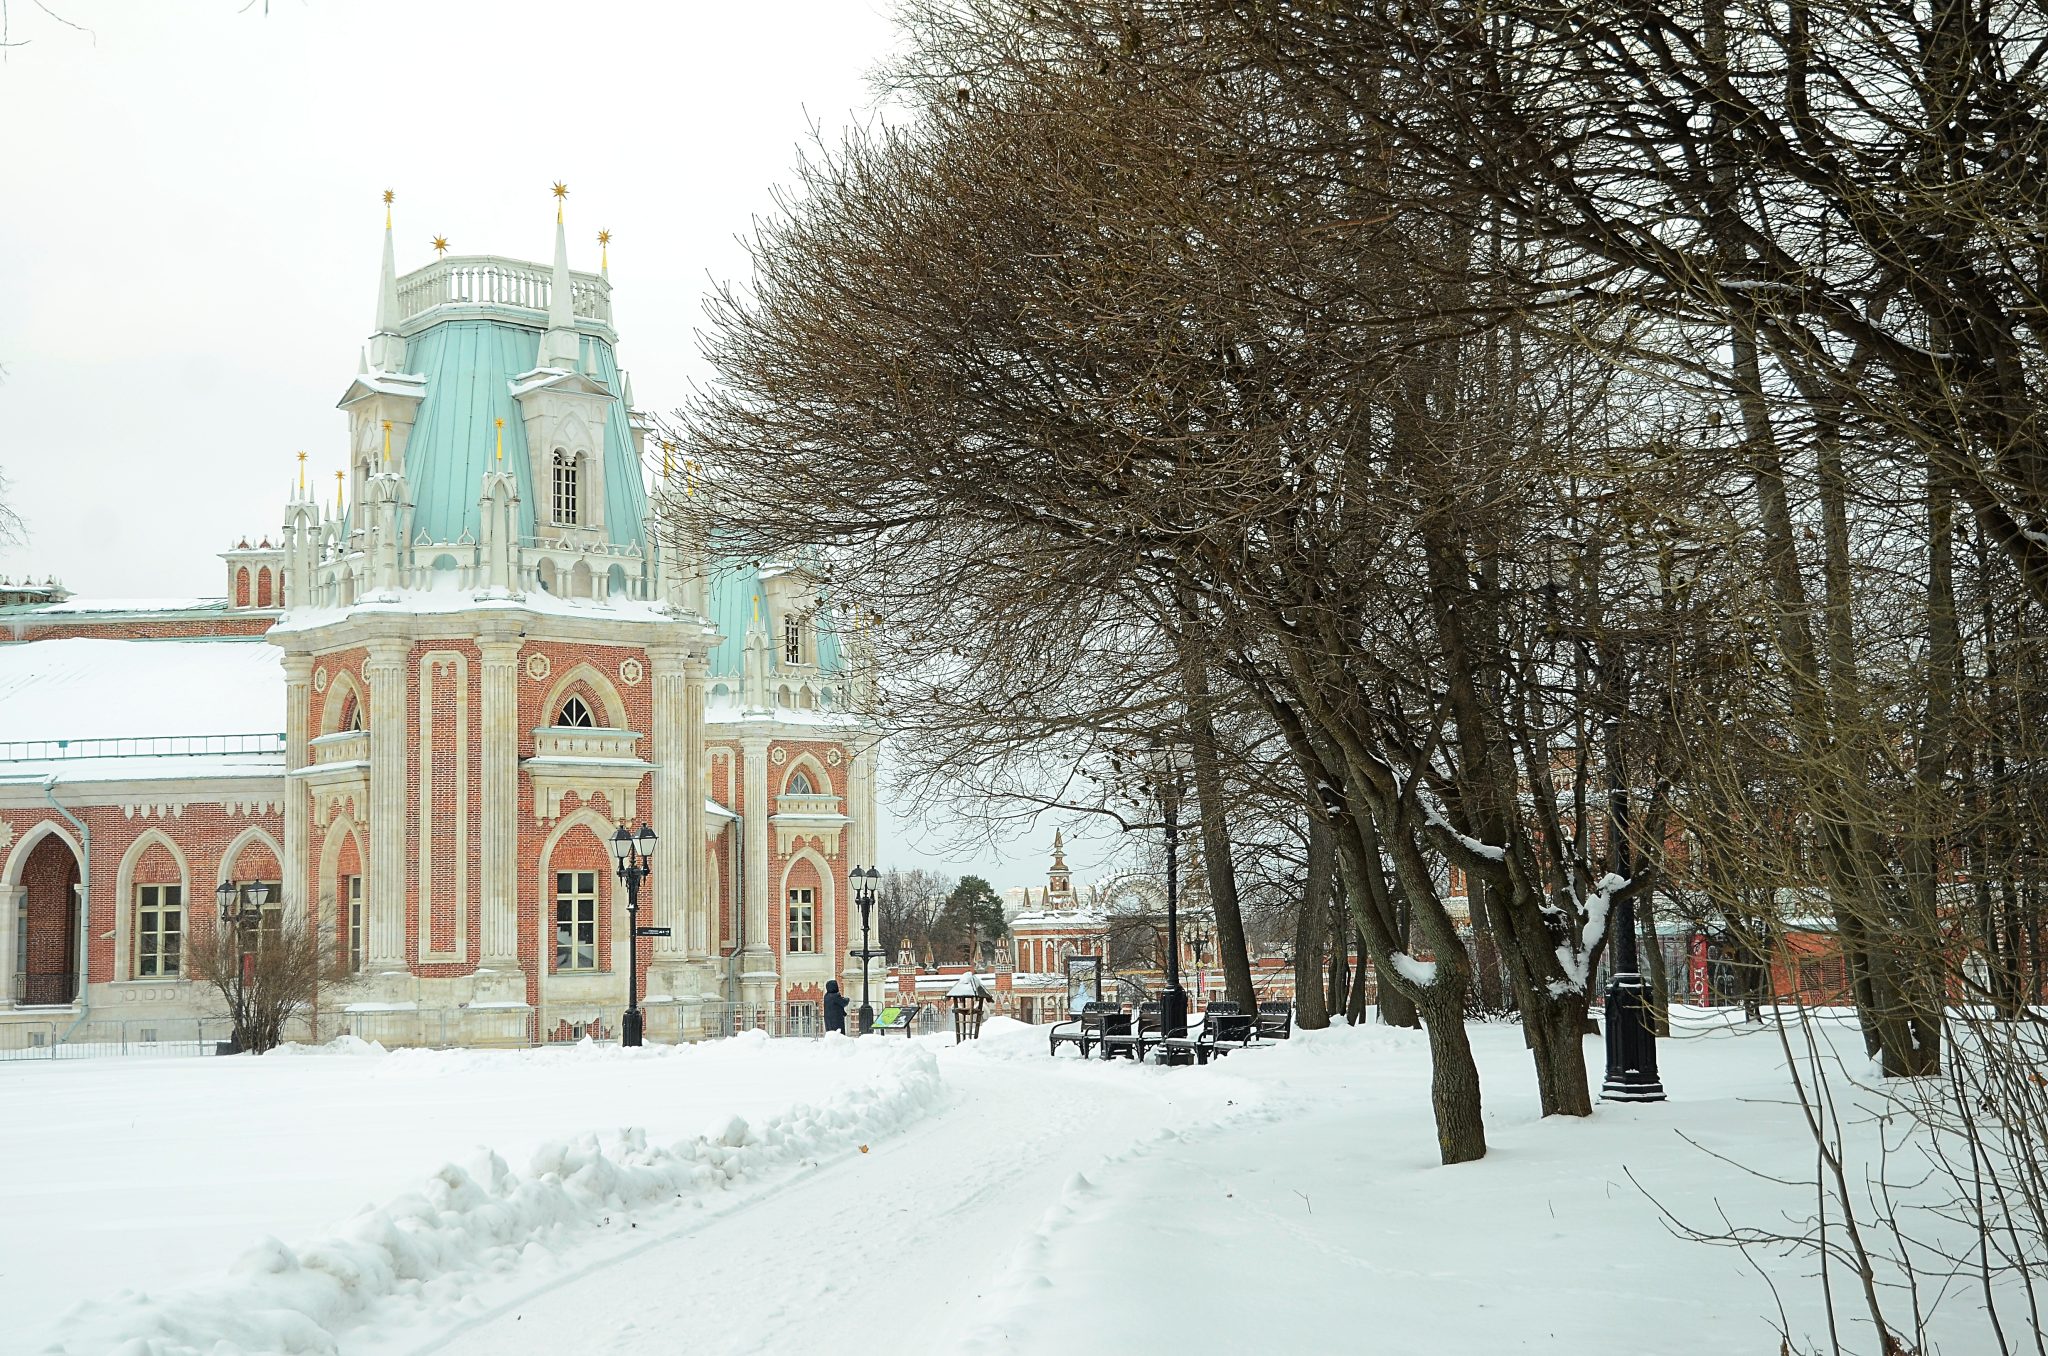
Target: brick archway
(44, 968)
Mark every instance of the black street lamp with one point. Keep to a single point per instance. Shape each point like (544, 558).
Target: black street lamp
(635, 856)
(245, 919)
(241, 908)
(1198, 942)
(864, 887)
(1631, 1037)
(1166, 786)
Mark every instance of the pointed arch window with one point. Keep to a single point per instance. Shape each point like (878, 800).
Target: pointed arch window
(799, 784)
(575, 715)
(351, 716)
(568, 486)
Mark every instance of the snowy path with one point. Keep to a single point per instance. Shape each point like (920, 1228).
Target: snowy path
(1005, 1202)
(953, 1196)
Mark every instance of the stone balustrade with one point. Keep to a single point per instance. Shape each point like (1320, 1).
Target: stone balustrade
(489, 280)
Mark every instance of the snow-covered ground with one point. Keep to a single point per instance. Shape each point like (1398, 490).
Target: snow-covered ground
(768, 1196)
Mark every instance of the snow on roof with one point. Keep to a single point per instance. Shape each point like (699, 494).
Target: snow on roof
(780, 715)
(118, 689)
(76, 606)
(970, 986)
(385, 602)
(1066, 920)
(142, 768)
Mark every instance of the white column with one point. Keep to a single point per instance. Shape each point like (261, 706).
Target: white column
(499, 845)
(10, 905)
(301, 891)
(860, 786)
(754, 809)
(860, 801)
(696, 788)
(675, 870)
(385, 670)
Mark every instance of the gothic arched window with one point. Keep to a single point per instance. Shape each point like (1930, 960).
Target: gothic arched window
(792, 640)
(351, 715)
(799, 784)
(567, 486)
(576, 715)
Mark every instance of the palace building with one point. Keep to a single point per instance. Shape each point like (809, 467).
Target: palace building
(422, 708)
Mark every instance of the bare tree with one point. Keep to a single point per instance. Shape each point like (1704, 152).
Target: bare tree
(267, 975)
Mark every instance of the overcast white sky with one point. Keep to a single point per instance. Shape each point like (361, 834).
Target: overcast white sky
(191, 228)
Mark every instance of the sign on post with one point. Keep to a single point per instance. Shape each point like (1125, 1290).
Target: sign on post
(651, 932)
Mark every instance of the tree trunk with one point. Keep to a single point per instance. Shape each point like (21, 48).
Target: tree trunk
(1397, 1008)
(1312, 928)
(1354, 1011)
(1659, 977)
(1454, 1084)
(1339, 996)
(1218, 860)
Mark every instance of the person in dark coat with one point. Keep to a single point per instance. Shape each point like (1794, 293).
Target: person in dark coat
(835, 1008)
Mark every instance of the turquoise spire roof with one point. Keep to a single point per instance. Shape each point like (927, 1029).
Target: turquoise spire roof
(469, 365)
(736, 592)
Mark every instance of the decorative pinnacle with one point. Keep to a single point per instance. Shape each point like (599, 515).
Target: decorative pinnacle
(561, 191)
(387, 442)
(604, 248)
(388, 197)
(501, 440)
(302, 473)
(440, 244)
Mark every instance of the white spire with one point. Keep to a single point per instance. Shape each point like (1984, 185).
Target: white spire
(562, 347)
(387, 349)
(387, 287)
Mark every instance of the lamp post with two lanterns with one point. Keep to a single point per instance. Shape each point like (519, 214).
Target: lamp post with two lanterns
(864, 882)
(635, 856)
(241, 908)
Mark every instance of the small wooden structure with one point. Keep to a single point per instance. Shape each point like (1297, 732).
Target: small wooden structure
(969, 999)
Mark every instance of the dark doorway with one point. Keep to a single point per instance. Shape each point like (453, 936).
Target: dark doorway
(45, 963)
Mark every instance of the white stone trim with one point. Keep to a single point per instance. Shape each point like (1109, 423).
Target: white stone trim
(124, 901)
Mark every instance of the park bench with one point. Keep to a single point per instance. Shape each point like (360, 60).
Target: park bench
(1224, 1024)
(897, 1019)
(1132, 1040)
(1276, 1021)
(1087, 1030)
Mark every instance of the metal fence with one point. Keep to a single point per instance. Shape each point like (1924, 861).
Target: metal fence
(439, 1028)
(139, 746)
(158, 1037)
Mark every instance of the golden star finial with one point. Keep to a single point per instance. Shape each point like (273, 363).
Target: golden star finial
(561, 191)
(302, 473)
(604, 250)
(440, 244)
(604, 237)
(388, 196)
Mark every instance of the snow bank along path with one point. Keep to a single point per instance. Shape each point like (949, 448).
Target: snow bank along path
(423, 1251)
(917, 1236)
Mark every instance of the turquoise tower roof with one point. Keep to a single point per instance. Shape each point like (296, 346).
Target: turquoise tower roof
(470, 365)
(737, 597)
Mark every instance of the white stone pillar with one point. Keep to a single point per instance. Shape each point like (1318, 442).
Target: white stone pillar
(10, 905)
(675, 871)
(860, 801)
(499, 867)
(758, 958)
(301, 891)
(696, 789)
(389, 754)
